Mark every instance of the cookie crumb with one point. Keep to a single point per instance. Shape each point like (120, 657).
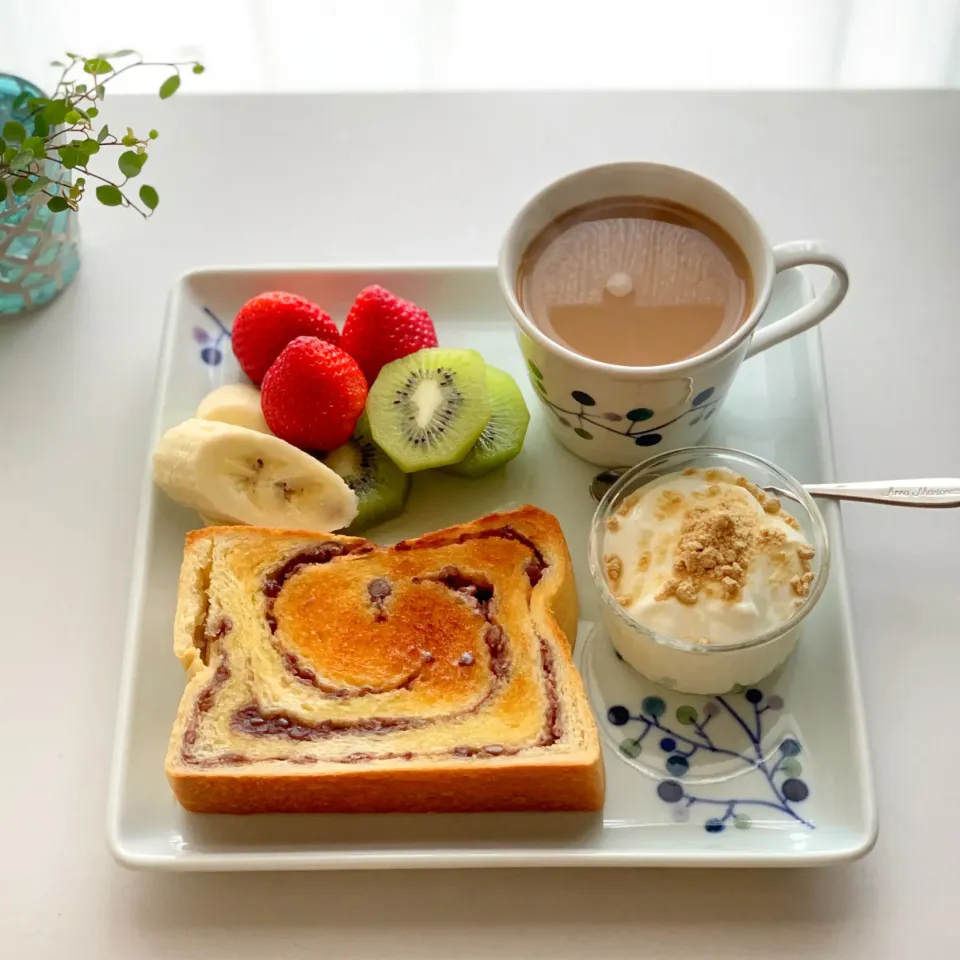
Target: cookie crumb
(806, 552)
(717, 542)
(614, 567)
(686, 592)
(800, 584)
(613, 524)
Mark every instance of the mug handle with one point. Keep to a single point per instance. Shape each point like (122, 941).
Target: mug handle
(797, 254)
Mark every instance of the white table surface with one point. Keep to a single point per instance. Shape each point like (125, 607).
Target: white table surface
(368, 179)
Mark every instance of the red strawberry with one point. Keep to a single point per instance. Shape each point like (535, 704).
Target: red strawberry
(313, 394)
(381, 327)
(267, 323)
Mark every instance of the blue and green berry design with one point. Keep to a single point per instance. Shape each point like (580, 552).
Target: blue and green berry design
(212, 343)
(775, 769)
(584, 420)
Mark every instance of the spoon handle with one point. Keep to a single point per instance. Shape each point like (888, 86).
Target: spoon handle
(938, 492)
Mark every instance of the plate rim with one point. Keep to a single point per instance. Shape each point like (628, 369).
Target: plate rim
(860, 844)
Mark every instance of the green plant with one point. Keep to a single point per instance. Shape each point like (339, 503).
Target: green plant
(60, 135)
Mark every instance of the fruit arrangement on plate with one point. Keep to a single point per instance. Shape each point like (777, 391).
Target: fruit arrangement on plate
(332, 423)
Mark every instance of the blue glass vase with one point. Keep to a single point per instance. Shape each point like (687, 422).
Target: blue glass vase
(38, 248)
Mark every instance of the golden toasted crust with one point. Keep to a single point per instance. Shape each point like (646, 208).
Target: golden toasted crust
(332, 675)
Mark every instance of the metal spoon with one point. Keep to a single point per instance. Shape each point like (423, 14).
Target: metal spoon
(938, 492)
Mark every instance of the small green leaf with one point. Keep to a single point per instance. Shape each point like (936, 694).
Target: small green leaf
(55, 111)
(89, 147)
(122, 53)
(37, 185)
(19, 100)
(13, 131)
(71, 157)
(57, 63)
(37, 103)
(23, 159)
(149, 197)
(74, 56)
(40, 127)
(96, 65)
(92, 112)
(129, 141)
(81, 182)
(57, 204)
(130, 163)
(198, 68)
(169, 86)
(154, 134)
(80, 88)
(35, 145)
(103, 134)
(21, 186)
(101, 91)
(109, 195)
(8, 154)
(73, 116)
(3, 190)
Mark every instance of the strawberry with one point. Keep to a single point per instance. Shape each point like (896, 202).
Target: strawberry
(381, 327)
(268, 322)
(313, 394)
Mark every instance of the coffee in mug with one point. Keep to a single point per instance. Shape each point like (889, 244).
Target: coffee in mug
(635, 280)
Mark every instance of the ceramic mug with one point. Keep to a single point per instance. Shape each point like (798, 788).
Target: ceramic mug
(612, 415)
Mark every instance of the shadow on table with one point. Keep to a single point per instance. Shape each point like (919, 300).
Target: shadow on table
(528, 913)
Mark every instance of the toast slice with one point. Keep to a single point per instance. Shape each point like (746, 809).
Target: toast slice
(328, 674)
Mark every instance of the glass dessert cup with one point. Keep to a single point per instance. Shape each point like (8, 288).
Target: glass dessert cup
(692, 666)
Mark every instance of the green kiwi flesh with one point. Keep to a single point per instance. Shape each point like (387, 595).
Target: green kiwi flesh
(427, 409)
(502, 438)
(380, 485)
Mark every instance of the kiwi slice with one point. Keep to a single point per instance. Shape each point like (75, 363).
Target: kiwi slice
(427, 409)
(380, 485)
(502, 438)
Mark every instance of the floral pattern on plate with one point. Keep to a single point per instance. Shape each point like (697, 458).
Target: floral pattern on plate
(212, 343)
(769, 758)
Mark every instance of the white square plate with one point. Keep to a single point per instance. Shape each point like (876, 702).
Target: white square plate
(778, 776)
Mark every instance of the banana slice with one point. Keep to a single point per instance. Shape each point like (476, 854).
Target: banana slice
(215, 521)
(236, 403)
(241, 476)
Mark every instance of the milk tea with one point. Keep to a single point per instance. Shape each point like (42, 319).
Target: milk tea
(635, 281)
